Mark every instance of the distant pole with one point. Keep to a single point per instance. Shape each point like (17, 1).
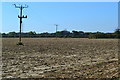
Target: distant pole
(21, 16)
(56, 29)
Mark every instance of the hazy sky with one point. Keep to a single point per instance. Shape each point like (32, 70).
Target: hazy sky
(81, 16)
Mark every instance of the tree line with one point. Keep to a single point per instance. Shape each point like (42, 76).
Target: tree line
(64, 34)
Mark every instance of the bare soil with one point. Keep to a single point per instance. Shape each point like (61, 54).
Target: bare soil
(60, 58)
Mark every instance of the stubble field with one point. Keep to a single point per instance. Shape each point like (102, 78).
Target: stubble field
(60, 58)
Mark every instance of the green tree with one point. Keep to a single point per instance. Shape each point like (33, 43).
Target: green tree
(75, 34)
(12, 34)
(117, 32)
(31, 33)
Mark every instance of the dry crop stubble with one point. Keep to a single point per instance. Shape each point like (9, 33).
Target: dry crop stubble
(60, 58)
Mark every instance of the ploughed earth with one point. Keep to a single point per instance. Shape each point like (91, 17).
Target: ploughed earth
(60, 58)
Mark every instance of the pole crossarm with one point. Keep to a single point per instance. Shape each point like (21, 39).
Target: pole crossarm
(22, 16)
(26, 6)
(16, 6)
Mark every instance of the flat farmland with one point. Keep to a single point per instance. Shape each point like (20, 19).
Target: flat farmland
(60, 58)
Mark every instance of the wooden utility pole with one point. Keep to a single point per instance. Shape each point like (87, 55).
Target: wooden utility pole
(21, 7)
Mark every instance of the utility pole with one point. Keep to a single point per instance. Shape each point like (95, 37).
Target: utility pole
(21, 7)
(56, 29)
